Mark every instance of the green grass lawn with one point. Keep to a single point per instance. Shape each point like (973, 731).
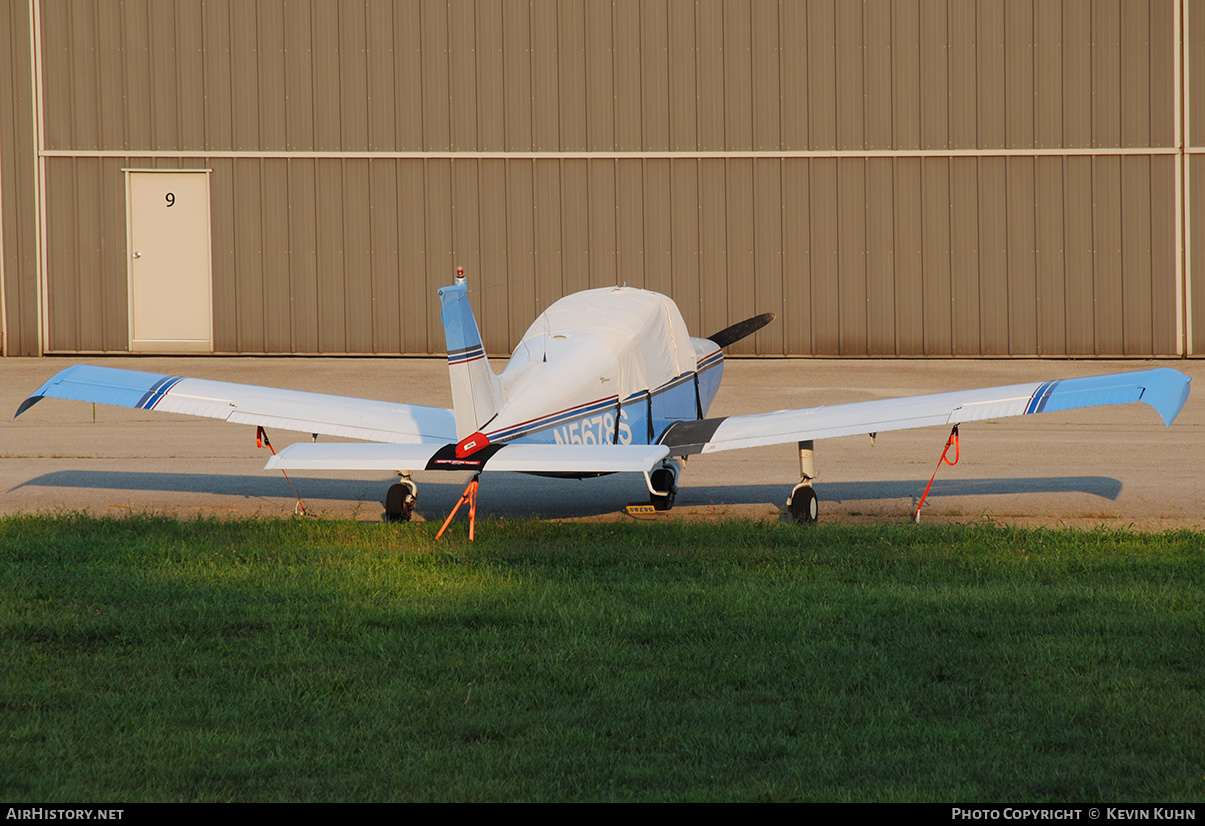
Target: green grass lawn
(152, 659)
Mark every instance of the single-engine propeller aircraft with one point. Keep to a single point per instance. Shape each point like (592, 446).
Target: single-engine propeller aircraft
(605, 381)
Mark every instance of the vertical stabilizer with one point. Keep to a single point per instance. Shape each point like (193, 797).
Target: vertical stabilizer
(476, 394)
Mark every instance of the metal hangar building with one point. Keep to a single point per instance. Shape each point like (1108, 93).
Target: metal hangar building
(915, 178)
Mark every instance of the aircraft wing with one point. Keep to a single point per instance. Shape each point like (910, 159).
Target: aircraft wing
(247, 404)
(1164, 389)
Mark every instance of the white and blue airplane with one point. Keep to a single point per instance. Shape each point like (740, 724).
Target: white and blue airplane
(605, 381)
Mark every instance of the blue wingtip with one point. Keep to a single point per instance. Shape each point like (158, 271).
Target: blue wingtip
(44, 391)
(1166, 390)
(1163, 388)
(105, 385)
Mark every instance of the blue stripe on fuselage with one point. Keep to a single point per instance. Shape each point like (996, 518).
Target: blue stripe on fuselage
(671, 402)
(561, 417)
(710, 360)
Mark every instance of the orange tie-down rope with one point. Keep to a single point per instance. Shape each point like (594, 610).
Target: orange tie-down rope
(261, 440)
(953, 440)
(470, 496)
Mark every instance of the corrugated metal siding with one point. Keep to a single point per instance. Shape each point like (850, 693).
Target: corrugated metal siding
(769, 249)
(822, 303)
(860, 256)
(1078, 243)
(1050, 259)
(713, 245)
(413, 238)
(861, 249)
(455, 75)
(686, 240)
(1165, 309)
(744, 285)
(937, 256)
(18, 227)
(1194, 179)
(222, 240)
(62, 261)
(1196, 275)
(908, 259)
(1194, 48)
(797, 264)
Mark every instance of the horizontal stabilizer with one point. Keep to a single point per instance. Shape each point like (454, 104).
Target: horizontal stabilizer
(520, 458)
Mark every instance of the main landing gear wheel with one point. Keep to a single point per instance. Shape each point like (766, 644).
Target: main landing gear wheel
(802, 504)
(663, 479)
(399, 502)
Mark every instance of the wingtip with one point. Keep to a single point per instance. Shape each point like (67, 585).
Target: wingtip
(28, 403)
(1167, 392)
(43, 391)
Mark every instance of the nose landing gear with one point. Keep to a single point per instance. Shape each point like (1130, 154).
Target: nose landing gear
(663, 485)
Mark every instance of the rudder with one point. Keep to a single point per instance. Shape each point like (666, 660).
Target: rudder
(476, 393)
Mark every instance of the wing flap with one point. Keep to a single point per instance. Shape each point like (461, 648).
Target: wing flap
(1164, 389)
(250, 404)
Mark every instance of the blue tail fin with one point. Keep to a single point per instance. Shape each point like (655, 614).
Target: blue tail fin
(476, 395)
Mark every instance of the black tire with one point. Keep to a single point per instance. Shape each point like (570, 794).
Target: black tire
(399, 503)
(804, 507)
(663, 479)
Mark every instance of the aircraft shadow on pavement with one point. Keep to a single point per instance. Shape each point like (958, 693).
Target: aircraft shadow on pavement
(514, 494)
(1101, 486)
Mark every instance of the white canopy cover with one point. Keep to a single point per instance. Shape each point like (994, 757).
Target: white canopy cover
(642, 330)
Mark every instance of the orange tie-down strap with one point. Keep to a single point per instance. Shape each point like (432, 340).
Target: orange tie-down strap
(470, 496)
(261, 440)
(953, 440)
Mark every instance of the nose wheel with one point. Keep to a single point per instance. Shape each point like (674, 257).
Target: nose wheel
(663, 486)
(400, 500)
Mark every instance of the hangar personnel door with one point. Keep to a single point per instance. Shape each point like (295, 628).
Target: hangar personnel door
(170, 279)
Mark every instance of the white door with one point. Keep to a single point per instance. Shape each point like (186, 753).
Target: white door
(171, 291)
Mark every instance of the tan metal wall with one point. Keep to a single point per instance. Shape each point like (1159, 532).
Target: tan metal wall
(627, 75)
(1194, 178)
(18, 202)
(924, 177)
